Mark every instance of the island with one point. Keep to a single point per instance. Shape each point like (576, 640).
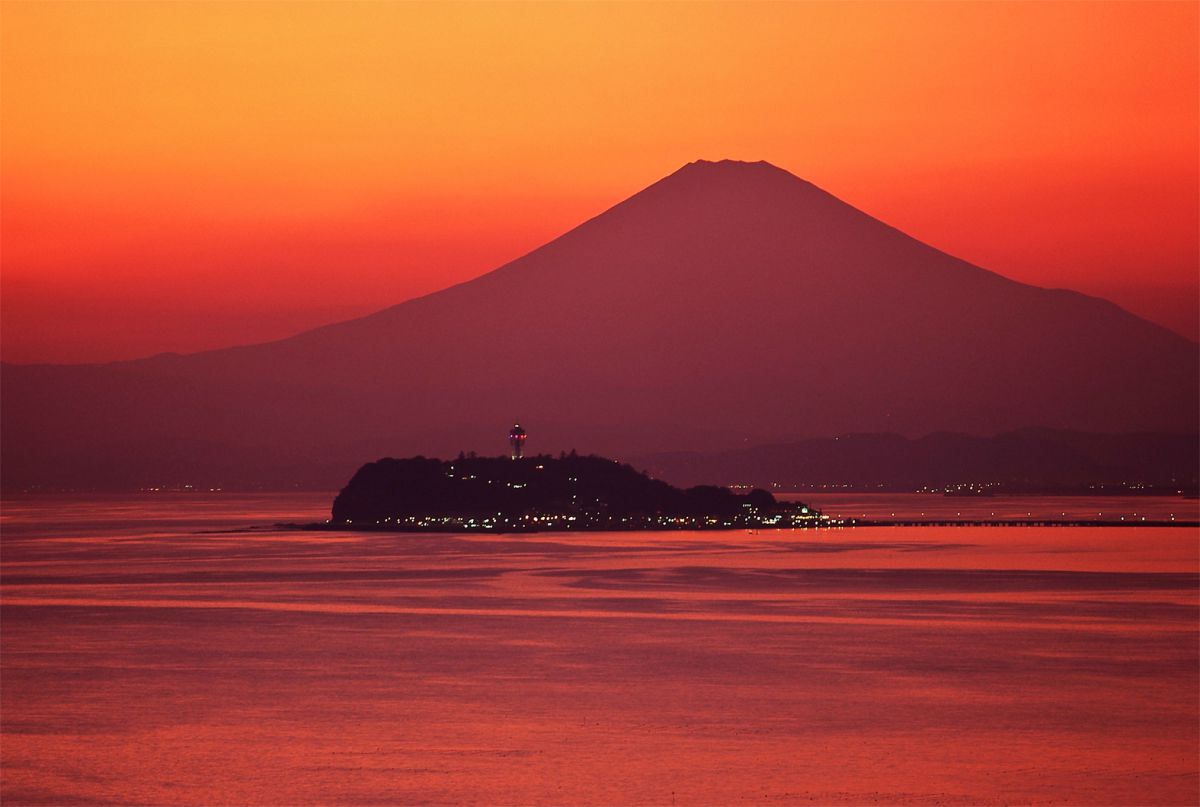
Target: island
(529, 494)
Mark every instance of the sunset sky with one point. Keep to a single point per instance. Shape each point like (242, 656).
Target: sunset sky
(181, 176)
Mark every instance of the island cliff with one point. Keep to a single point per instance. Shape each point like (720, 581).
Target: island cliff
(543, 492)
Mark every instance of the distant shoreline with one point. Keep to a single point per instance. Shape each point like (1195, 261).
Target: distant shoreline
(825, 524)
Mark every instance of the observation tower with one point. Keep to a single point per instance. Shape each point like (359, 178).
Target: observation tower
(516, 439)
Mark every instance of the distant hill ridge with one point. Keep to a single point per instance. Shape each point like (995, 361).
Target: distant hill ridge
(728, 304)
(1030, 460)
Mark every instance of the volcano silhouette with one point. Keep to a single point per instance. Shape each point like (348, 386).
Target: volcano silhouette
(729, 303)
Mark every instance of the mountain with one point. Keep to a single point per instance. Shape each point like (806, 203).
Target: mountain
(727, 304)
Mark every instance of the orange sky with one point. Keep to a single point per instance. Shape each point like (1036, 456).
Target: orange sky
(178, 176)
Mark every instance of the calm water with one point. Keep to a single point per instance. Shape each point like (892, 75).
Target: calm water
(156, 651)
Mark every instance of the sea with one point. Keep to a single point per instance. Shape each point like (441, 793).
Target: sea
(180, 648)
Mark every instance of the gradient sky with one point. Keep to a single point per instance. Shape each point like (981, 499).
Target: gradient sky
(180, 176)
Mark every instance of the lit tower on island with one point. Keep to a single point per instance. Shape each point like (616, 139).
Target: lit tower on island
(516, 439)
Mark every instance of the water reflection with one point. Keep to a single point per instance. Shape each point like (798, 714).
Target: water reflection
(148, 658)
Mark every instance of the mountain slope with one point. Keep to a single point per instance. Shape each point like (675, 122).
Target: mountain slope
(727, 302)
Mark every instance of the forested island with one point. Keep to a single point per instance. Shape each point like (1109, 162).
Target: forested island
(568, 492)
